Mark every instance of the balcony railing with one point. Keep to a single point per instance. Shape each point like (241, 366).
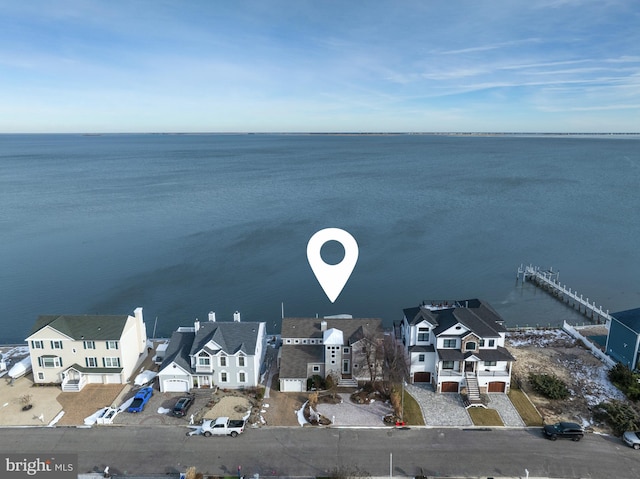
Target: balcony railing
(449, 372)
(493, 373)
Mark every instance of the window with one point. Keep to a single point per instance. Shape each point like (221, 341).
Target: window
(111, 362)
(447, 364)
(223, 377)
(40, 376)
(56, 344)
(242, 377)
(492, 343)
(421, 358)
(423, 334)
(37, 345)
(345, 350)
(112, 344)
(89, 344)
(204, 359)
(482, 343)
(91, 362)
(241, 361)
(223, 360)
(50, 362)
(449, 343)
(490, 363)
(316, 369)
(470, 346)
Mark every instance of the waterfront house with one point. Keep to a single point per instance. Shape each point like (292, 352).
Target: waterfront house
(74, 350)
(345, 347)
(456, 344)
(214, 353)
(623, 339)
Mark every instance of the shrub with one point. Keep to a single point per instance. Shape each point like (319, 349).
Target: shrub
(626, 380)
(315, 382)
(620, 416)
(549, 386)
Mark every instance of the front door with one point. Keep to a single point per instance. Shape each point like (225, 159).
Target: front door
(469, 366)
(346, 366)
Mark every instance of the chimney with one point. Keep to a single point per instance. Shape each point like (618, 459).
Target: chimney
(323, 325)
(236, 317)
(212, 316)
(196, 325)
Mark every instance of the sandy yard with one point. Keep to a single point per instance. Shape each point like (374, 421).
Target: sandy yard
(556, 352)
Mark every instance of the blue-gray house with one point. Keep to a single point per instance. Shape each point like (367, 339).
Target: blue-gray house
(623, 340)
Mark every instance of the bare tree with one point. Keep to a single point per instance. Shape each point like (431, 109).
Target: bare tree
(373, 354)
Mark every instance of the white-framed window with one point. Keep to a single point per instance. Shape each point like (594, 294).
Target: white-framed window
(223, 361)
(37, 345)
(481, 343)
(223, 377)
(345, 350)
(112, 344)
(91, 362)
(204, 359)
(113, 362)
(421, 358)
(89, 344)
(241, 361)
(490, 363)
(492, 343)
(470, 346)
(315, 369)
(242, 377)
(40, 376)
(50, 362)
(449, 343)
(423, 334)
(56, 344)
(447, 364)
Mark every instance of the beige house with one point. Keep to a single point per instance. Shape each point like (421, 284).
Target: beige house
(74, 350)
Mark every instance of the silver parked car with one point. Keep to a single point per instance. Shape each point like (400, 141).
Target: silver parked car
(632, 439)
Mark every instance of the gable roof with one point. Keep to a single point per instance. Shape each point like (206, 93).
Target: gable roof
(86, 326)
(476, 315)
(178, 350)
(310, 328)
(232, 337)
(630, 318)
(294, 360)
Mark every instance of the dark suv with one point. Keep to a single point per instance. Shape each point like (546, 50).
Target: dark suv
(570, 430)
(182, 406)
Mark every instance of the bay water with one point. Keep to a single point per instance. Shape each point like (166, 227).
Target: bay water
(185, 224)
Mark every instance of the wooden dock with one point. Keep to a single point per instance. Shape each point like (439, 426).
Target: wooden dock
(549, 280)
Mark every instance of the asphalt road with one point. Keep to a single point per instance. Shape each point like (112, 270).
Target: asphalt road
(310, 452)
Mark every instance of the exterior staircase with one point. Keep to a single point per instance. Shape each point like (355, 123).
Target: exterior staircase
(473, 391)
(347, 383)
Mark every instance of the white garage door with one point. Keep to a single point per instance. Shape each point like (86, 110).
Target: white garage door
(175, 386)
(291, 385)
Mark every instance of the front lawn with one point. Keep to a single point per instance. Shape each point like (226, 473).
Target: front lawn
(527, 411)
(412, 411)
(485, 417)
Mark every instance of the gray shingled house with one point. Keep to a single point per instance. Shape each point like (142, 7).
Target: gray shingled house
(320, 346)
(214, 353)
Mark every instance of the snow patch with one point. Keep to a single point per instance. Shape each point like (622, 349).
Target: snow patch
(300, 413)
(163, 410)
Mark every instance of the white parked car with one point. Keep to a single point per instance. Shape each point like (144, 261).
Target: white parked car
(632, 439)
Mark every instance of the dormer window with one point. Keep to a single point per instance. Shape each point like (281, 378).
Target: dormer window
(423, 334)
(204, 359)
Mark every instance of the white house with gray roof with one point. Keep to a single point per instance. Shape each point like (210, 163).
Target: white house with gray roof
(74, 350)
(455, 344)
(214, 353)
(338, 345)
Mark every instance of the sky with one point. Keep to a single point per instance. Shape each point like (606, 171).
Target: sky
(87, 66)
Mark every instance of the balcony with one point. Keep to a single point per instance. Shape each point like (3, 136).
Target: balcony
(502, 373)
(449, 372)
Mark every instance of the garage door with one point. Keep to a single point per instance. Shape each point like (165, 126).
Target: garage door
(422, 377)
(496, 387)
(175, 386)
(449, 387)
(291, 385)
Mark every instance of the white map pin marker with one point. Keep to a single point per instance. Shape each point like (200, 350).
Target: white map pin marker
(332, 277)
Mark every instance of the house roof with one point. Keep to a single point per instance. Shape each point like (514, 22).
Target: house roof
(294, 360)
(231, 336)
(83, 369)
(630, 318)
(422, 349)
(332, 336)
(87, 327)
(178, 350)
(353, 329)
(475, 314)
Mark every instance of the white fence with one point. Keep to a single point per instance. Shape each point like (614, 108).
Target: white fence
(596, 352)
